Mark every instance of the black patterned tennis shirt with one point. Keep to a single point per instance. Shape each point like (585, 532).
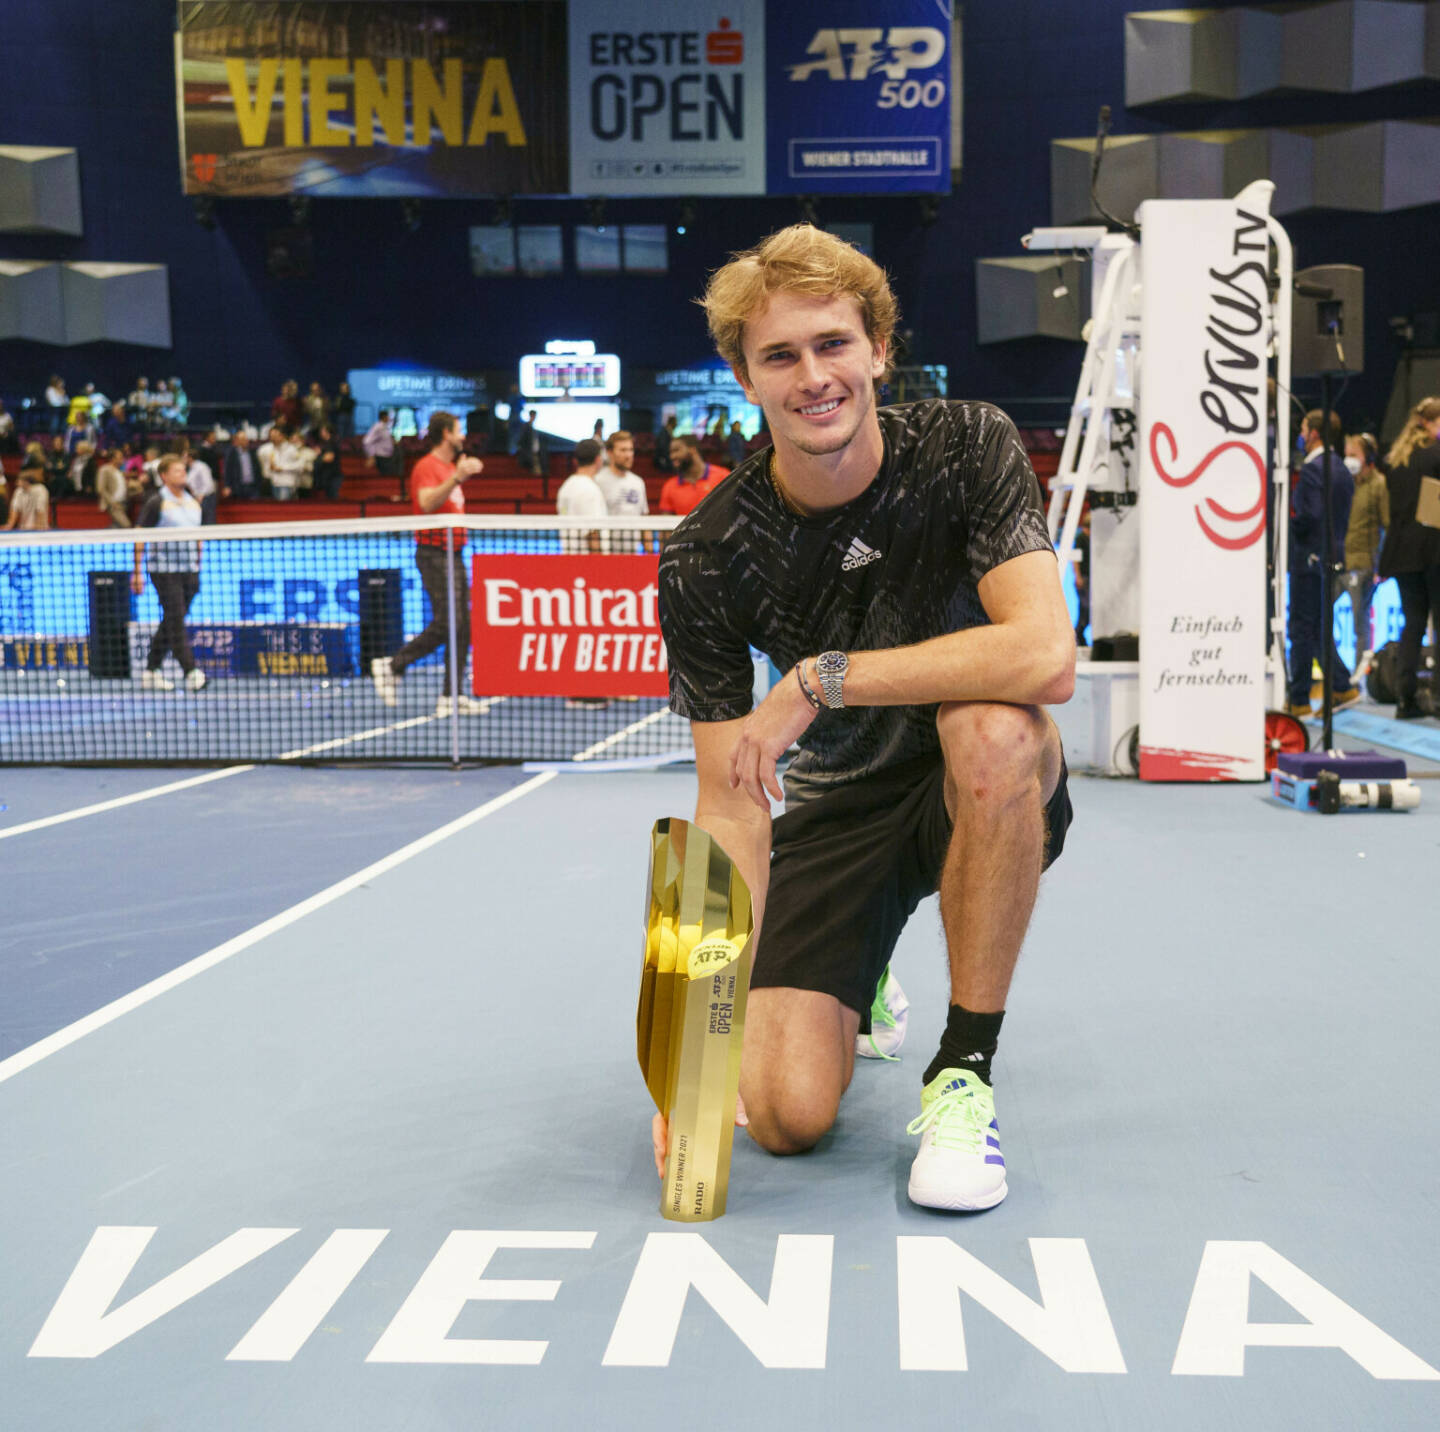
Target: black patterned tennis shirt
(955, 497)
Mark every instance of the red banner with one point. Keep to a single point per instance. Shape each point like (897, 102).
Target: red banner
(567, 626)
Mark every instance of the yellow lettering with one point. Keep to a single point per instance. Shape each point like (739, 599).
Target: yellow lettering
(372, 102)
(72, 653)
(324, 102)
(22, 653)
(253, 119)
(434, 103)
(294, 104)
(496, 111)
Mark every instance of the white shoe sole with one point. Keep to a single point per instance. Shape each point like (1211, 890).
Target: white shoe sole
(952, 1202)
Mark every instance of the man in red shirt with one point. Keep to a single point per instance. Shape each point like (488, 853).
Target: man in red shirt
(694, 477)
(435, 486)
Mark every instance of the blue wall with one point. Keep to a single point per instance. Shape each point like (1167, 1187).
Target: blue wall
(98, 76)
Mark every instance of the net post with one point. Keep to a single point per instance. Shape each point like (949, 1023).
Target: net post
(451, 659)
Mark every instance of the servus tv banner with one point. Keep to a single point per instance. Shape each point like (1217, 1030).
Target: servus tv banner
(1205, 331)
(859, 97)
(567, 626)
(443, 98)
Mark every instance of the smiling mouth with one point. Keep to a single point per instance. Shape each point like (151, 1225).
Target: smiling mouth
(818, 410)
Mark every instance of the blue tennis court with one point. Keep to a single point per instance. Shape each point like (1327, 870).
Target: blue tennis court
(321, 1109)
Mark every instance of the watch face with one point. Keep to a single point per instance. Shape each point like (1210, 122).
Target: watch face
(832, 661)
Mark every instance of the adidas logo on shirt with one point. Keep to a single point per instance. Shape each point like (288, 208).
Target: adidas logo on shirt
(859, 555)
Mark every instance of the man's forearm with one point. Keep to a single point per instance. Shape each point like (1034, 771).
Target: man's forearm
(1005, 662)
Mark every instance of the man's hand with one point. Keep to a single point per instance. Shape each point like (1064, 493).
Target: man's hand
(468, 467)
(137, 583)
(660, 1133)
(765, 735)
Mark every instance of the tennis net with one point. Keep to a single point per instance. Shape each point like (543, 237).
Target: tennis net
(307, 641)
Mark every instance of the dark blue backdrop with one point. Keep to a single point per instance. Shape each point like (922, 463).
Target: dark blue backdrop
(98, 76)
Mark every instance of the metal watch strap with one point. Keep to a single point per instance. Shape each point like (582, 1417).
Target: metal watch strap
(830, 669)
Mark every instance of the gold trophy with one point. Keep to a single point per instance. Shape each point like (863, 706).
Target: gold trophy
(692, 1010)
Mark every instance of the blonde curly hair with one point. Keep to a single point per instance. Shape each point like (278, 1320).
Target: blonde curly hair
(800, 259)
(1415, 433)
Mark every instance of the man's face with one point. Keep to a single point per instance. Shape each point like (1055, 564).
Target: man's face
(813, 370)
(452, 441)
(684, 459)
(622, 455)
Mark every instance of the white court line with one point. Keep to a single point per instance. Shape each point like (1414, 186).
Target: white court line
(62, 1038)
(630, 730)
(484, 710)
(122, 801)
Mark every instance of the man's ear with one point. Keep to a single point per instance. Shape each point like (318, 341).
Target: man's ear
(879, 355)
(743, 378)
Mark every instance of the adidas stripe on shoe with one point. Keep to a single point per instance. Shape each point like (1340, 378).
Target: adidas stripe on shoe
(959, 1166)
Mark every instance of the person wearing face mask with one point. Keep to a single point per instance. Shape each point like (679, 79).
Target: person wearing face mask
(1369, 517)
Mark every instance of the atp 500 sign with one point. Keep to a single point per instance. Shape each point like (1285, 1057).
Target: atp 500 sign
(903, 54)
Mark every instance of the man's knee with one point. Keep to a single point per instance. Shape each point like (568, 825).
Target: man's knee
(994, 751)
(791, 1121)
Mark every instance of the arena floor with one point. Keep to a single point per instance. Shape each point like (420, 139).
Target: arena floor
(321, 1109)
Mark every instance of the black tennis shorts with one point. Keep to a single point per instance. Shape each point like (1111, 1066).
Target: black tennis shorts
(848, 868)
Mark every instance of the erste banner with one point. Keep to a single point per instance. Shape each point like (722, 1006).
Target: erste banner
(674, 107)
(567, 626)
(1205, 326)
(442, 99)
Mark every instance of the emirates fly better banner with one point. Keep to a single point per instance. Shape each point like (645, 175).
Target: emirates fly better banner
(1205, 329)
(567, 626)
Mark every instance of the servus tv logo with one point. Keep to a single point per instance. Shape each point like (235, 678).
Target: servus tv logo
(900, 54)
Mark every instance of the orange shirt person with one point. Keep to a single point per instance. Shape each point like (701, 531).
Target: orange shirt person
(694, 478)
(435, 485)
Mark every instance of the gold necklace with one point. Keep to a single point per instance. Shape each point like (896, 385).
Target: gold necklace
(786, 500)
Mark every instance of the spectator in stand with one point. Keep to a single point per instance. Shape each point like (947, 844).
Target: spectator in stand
(177, 409)
(30, 503)
(9, 438)
(694, 477)
(242, 468)
(1411, 553)
(327, 464)
(212, 453)
(175, 570)
(317, 409)
(117, 430)
(265, 455)
(57, 403)
(81, 429)
(1309, 641)
(79, 411)
(344, 412)
(286, 411)
(379, 445)
(287, 463)
(200, 479)
(138, 404)
(440, 556)
(162, 407)
(735, 445)
(663, 440)
(1369, 517)
(527, 446)
(81, 476)
(112, 490)
(57, 468)
(99, 403)
(623, 490)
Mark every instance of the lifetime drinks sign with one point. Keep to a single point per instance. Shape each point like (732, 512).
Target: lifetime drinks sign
(584, 626)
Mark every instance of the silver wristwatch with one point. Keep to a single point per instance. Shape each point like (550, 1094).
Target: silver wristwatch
(830, 668)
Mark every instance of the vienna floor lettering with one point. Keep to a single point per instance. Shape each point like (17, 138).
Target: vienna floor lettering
(937, 1280)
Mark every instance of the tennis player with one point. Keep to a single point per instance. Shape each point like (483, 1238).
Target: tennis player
(894, 563)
